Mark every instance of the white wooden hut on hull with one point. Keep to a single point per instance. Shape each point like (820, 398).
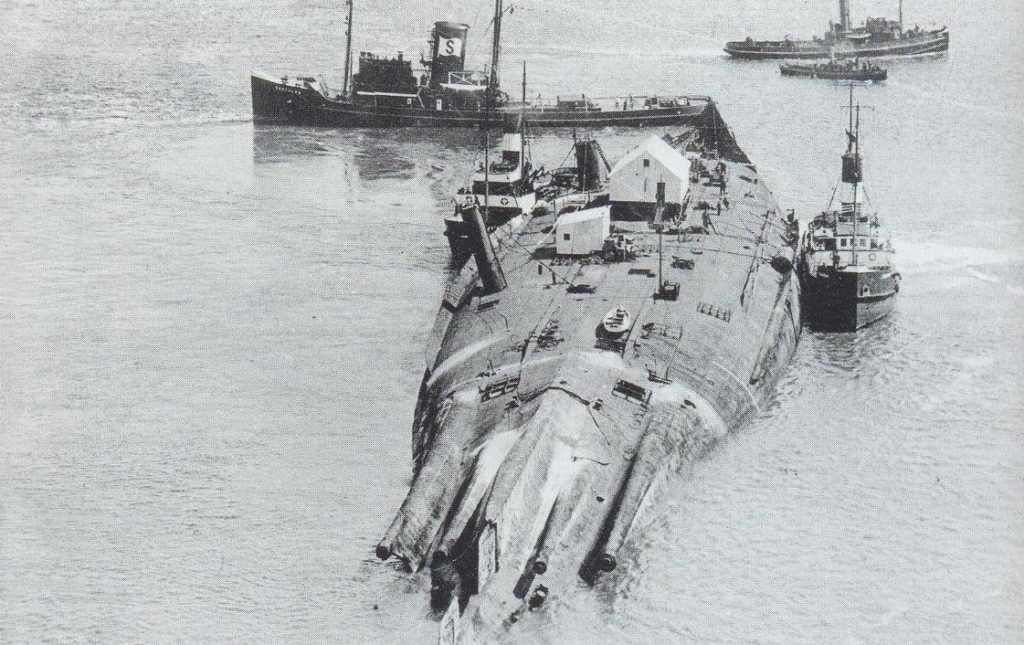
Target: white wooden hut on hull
(639, 177)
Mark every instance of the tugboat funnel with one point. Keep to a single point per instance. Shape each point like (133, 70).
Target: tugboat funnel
(491, 275)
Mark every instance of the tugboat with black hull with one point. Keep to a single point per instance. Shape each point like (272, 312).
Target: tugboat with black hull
(508, 188)
(876, 37)
(846, 265)
(504, 189)
(387, 93)
(581, 360)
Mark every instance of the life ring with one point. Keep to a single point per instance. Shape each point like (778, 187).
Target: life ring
(504, 201)
(871, 256)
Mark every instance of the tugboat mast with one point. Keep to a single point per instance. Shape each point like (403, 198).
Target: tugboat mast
(852, 170)
(524, 83)
(487, 158)
(348, 48)
(495, 50)
(856, 154)
(854, 175)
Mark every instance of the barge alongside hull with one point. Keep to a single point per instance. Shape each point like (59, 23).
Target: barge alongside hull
(564, 387)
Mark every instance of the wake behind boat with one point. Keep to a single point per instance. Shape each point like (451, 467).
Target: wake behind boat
(388, 92)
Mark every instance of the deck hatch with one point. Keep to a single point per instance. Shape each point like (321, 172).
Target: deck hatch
(645, 272)
(631, 391)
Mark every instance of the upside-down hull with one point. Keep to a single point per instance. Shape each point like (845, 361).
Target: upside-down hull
(542, 436)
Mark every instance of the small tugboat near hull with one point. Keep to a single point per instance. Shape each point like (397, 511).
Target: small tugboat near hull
(846, 270)
(848, 300)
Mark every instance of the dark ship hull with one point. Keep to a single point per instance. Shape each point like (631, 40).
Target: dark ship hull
(847, 301)
(840, 73)
(546, 423)
(928, 43)
(275, 102)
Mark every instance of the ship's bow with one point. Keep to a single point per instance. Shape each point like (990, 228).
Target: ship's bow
(271, 101)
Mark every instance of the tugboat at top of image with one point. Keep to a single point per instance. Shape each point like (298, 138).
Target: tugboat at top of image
(388, 93)
(876, 37)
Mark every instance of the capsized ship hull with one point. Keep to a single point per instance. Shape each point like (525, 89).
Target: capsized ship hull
(542, 431)
(303, 102)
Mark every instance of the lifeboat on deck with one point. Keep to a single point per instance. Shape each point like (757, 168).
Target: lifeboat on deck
(617, 321)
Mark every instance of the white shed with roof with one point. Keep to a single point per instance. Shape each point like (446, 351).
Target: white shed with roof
(635, 178)
(582, 232)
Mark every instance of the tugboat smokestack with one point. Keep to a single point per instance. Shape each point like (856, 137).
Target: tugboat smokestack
(491, 275)
(844, 15)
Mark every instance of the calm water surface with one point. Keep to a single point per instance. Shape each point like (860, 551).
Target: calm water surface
(211, 333)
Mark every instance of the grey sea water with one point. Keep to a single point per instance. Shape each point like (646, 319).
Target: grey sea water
(211, 333)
